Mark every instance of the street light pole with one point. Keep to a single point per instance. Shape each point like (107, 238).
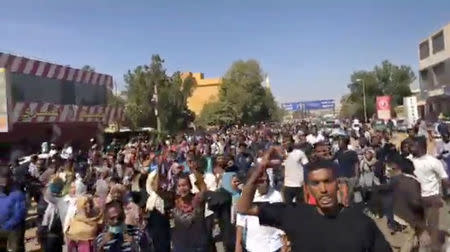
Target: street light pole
(155, 100)
(364, 98)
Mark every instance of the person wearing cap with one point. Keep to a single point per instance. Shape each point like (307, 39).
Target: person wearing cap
(12, 213)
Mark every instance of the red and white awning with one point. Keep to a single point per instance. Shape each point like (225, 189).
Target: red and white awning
(16, 64)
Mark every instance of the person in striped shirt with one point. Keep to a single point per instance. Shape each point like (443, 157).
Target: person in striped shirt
(117, 236)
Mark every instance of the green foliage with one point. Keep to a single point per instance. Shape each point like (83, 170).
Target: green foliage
(384, 79)
(114, 100)
(242, 98)
(171, 101)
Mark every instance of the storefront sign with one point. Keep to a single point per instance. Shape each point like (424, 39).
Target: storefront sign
(384, 107)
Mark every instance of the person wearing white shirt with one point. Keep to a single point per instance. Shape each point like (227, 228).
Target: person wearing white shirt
(259, 238)
(314, 137)
(431, 174)
(293, 174)
(32, 167)
(67, 152)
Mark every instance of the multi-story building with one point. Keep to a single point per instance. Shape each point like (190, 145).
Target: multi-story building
(434, 73)
(205, 90)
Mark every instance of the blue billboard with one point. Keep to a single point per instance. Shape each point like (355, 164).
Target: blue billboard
(320, 104)
(291, 106)
(308, 105)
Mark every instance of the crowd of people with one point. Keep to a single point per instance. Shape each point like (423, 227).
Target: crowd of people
(268, 187)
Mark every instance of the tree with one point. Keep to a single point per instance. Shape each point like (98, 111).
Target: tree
(114, 100)
(88, 68)
(171, 102)
(242, 98)
(385, 79)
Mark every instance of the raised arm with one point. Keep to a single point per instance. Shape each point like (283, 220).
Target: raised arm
(245, 203)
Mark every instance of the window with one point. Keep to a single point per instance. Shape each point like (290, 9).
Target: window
(424, 50)
(426, 80)
(29, 88)
(424, 75)
(438, 42)
(439, 69)
(439, 73)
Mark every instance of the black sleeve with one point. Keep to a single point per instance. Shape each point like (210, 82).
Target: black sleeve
(272, 214)
(379, 243)
(355, 157)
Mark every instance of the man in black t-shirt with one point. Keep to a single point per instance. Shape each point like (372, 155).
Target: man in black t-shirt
(325, 227)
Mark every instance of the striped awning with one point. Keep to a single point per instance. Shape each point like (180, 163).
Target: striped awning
(17, 64)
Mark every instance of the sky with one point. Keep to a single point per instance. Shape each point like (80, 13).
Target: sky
(309, 49)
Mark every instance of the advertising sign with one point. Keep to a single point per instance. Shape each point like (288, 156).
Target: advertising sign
(384, 107)
(320, 104)
(309, 105)
(291, 106)
(411, 111)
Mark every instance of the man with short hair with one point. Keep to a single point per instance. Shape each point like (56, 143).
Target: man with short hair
(12, 213)
(407, 203)
(314, 137)
(324, 227)
(118, 236)
(243, 160)
(293, 174)
(259, 238)
(431, 173)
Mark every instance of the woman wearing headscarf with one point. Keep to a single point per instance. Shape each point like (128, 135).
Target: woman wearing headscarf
(84, 226)
(367, 177)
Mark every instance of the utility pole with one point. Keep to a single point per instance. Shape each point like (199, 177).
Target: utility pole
(155, 102)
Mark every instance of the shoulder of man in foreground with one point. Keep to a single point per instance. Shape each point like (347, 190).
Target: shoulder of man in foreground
(371, 229)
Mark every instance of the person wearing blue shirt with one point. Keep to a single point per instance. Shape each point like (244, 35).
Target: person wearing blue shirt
(12, 214)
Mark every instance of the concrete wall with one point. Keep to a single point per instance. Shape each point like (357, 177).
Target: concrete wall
(436, 65)
(206, 90)
(433, 59)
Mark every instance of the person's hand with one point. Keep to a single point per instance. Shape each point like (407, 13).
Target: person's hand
(106, 238)
(286, 244)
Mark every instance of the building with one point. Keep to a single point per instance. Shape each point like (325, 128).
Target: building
(434, 73)
(206, 90)
(42, 101)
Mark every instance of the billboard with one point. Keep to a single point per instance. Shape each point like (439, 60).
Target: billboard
(291, 106)
(319, 104)
(411, 111)
(384, 107)
(308, 105)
